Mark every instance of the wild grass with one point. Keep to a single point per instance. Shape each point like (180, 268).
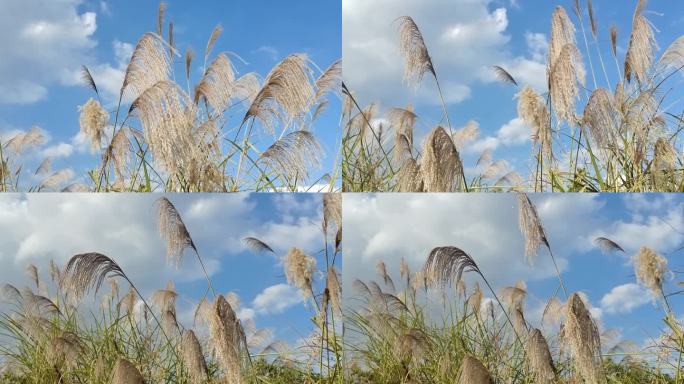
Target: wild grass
(52, 333)
(619, 132)
(435, 326)
(227, 132)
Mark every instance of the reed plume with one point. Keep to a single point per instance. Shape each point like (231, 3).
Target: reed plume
(193, 359)
(650, 269)
(125, 372)
(441, 166)
(93, 121)
(412, 47)
(539, 358)
(172, 229)
(472, 371)
(299, 269)
(581, 336)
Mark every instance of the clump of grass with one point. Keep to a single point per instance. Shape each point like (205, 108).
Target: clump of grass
(228, 132)
(615, 133)
(52, 333)
(429, 326)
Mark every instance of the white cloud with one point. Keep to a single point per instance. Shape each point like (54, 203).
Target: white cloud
(514, 132)
(464, 37)
(58, 150)
(276, 299)
(625, 298)
(43, 43)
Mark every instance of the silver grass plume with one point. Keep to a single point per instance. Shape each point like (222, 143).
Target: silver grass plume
(23, 140)
(149, 65)
(650, 269)
(412, 47)
(334, 290)
(562, 34)
(172, 229)
(472, 371)
(329, 81)
(581, 336)
(445, 265)
(410, 177)
(229, 341)
(332, 211)
(86, 271)
(565, 78)
(539, 358)
(600, 115)
(607, 245)
(299, 270)
(465, 134)
(641, 48)
(530, 227)
(216, 87)
(532, 109)
(44, 167)
(294, 154)
(256, 245)
(125, 372)
(193, 359)
(167, 116)
(57, 178)
(286, 93)
(120, 154)
(93, 121)
(441, 164)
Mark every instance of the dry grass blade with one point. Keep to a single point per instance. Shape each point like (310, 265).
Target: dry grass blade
(607, 245)
(504, 75)
(172, 229)
(256, 245)
(446, 265)
(160, 18)
(412, 47)
(472, 371)
(294, 154)
(592, 19)
(613, 39)
(189, 56)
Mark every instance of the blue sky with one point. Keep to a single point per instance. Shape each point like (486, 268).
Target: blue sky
(486, 226)
(46, 41)
(465, 38)
(39, 227)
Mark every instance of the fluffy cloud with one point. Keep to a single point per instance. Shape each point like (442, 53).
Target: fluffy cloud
(625, 298)
(276, 299)
(465, 38)
(44, 42)
(514, 132)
